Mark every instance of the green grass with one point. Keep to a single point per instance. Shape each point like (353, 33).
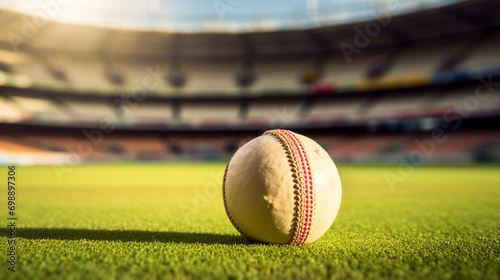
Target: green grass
(168, 221)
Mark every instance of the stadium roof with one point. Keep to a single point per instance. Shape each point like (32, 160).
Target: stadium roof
(32, 34)
(216, 15)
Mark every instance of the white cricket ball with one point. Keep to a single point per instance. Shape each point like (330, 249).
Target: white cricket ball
(281, 187)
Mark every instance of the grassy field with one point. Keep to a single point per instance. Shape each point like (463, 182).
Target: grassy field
(168, 221)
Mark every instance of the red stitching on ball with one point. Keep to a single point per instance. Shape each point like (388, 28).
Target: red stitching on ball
(304, 186)
(305, 231)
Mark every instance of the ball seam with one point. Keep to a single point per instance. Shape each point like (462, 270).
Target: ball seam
(308, 192)
(304, 196)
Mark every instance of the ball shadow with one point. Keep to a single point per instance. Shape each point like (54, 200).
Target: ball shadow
(130, 235)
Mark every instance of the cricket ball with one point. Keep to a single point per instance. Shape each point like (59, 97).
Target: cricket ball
(281, 187)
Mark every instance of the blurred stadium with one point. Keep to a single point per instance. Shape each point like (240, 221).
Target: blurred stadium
(117, 119)
(403, 80)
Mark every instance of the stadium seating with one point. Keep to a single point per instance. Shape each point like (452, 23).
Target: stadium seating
(408, 74)
(335, 110)
(465, 101)
(10, 111)
(339, 70)
(399, 105)
(211, 76)
(204, 148)
(485, 53)
(83, 111)
(76, 143)
(152, 114)
(425, 57)
(84, 73)
(366, 147)
(280, 74)
(455, 145)
(138, 147)
(273, 114)
(209, 115)
(139, 70)
(40, 110)
(38, 71)
(13, 147)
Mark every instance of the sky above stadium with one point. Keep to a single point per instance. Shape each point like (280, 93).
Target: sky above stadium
(211, 14)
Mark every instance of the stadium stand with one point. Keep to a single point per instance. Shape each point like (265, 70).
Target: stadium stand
(89, 111)
(420, 147)
(278, 74)
(211, 76)
(400, 105)
(426, 57)
(206, 148)
(37, 71)
(209, 115)
(137, 72)
(335, 110)
(68, 143)
(84, 73)
(17, 148)
(422, 68)
(465, 101)
(9, 112)
(273, 113)
(77, 71)
(359, 148)
(485, 53)
(150, 114)
(338, 70)
(41, 109)
(13, 149)
(136, 147)
(458, 146)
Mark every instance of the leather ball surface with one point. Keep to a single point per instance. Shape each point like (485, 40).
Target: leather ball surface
(282, 187)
